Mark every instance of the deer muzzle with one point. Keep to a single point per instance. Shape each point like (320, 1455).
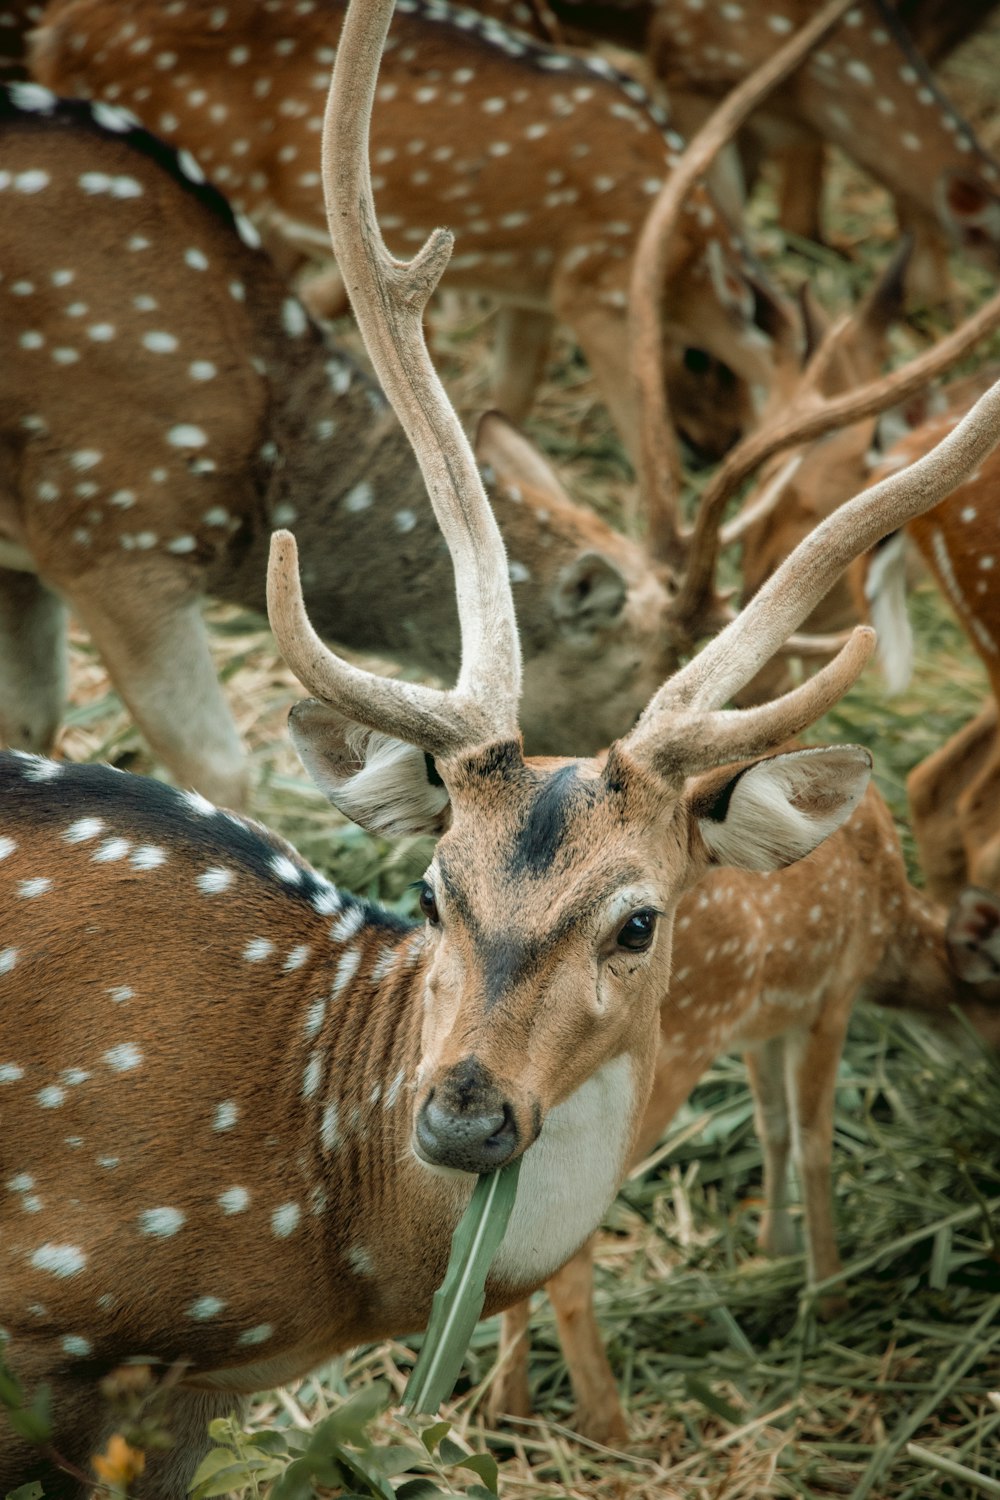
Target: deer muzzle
(466, 1122)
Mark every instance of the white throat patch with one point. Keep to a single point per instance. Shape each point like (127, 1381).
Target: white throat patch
(570, 1175)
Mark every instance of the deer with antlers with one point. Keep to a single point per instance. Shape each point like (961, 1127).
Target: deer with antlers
(521, 1018)
(269, 423)
(545, 164)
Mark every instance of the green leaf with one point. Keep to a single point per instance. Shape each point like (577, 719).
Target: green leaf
(485, 1465)
(32, 1491)
(348, 1423)
(458, 1301)
(431, 1436)
(392, 1458)
(211, 1464)
(296, 1482)
(450, 1453)
(236, 1474)
(419, 1489)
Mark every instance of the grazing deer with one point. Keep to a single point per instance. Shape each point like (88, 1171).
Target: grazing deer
(771, 964)
(868, 90)
(955, 793)
(544, 163)
(161, 422)
(264, 411)
(521, 1018)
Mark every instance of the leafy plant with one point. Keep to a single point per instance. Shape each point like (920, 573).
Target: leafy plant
(339, 1454)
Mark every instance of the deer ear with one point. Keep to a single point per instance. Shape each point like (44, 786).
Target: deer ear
(777, 810)
(589, 594)
(972, 936)
(503, 447)
(384, 785)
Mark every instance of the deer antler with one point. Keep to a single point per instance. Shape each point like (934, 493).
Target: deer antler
(659, 461)
(389, 297)
(685, 713)
(812, 417)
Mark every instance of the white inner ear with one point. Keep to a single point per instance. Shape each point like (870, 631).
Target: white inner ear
(885, 591)
(376, 781)
(781, 809)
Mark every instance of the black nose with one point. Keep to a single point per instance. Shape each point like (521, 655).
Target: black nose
(466, 1123)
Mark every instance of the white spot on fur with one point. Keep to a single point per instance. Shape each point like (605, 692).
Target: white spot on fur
(234, 1200)
(161, 1223)
(62, 1260)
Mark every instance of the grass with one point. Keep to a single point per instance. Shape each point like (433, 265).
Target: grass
(735, 1390)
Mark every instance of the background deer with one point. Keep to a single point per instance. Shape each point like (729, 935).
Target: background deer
(771, 964)
(164, 421)
(384, 1059)
(544, 163)
(955, 793)
(868, 90)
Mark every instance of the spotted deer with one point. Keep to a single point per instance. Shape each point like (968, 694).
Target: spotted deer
(158, 424)
(543, 162)
(955, 793)
(269, 423)
(399, 1061)
(771, 964)
(868, 90)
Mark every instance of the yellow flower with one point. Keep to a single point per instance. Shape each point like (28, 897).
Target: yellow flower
(120, 1463)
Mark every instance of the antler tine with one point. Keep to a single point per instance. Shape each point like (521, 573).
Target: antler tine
(389, 297)
(729, 661)
(818, 417)
(659, 459)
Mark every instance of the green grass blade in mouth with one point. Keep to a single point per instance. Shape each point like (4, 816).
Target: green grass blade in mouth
(458, 1301)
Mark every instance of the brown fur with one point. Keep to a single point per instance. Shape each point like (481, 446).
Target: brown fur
(298, 436)
(771, 964)
(547, 226)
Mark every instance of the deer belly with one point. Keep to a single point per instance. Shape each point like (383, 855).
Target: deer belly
(569, 1176)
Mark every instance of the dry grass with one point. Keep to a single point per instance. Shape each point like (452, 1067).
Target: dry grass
(735, 1391)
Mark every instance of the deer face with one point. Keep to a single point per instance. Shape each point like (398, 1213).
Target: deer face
(549, 941)
(549, 905)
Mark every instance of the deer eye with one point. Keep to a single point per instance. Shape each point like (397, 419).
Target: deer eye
(637, 933)
(428, 905)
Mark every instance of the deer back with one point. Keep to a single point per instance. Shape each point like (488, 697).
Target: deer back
(164, 421)
(545, 163)
(867, 89)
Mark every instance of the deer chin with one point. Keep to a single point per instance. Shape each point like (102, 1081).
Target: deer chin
(569, 1176)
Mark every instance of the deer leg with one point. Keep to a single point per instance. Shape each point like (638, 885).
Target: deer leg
(928, 276)
(765, 1065)
(509, 1394)
(934, 788)
(32, 661)
(160, 662)
(523, 336)
(802, 162)
(598, 1409)
(812, 1059)
(168, 1475)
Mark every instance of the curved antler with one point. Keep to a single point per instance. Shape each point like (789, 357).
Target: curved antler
(812, 419)
(684, 713)
(658, 458)
(389, 297)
